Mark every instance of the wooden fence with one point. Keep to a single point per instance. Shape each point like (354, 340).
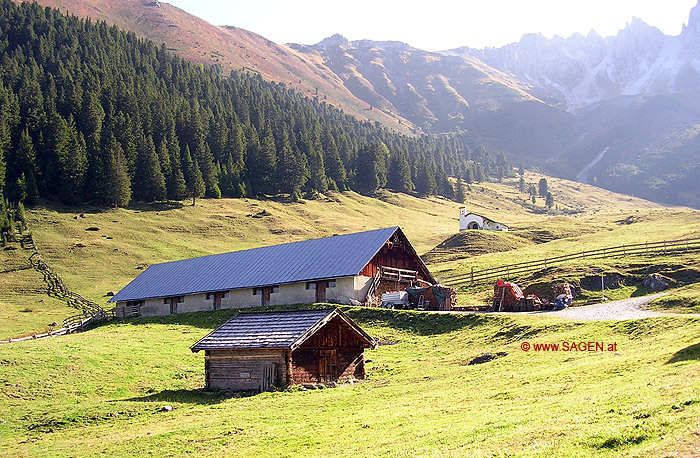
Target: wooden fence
(91, 314)
(510, 270)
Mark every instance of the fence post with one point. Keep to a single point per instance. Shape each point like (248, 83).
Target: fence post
(646, 248)
(664, 246)
(687, 248)
(624, 251)
(472, 275)
(545, 263)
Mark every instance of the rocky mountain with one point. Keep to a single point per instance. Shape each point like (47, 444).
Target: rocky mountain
(438, 93)
(622, 112)
(581, 71)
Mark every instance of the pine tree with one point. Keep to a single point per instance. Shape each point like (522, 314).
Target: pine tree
(25, 157)
(521, 185)
(317, 172)
(543, 187)
(149, 182)
(193, 177)
(469, 176)
(292, 171)
(521, 170)
(444, 187)
(335, 169)
(73, 164)
(399, 178)
(459, 193)
(425, 179)
(549, 202)
(118, 185)
(371, 168)
(479, 174)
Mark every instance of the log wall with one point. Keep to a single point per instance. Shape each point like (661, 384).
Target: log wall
(333, 353)
(245, 370)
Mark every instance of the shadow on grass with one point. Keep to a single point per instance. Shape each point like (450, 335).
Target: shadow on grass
(157, 206)
(421, 323)
(90, 209)
(197, 396)
(691, 353)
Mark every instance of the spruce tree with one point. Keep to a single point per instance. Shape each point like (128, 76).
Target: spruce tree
(193, 177)
(371, 167)
(399, 178)
(149, 182)
(317, 172)
(335, 169)
(459, 193)
(469, 175)
(292, 171)
(425, 179)
(549, 202)
(73, 164)
(118, 184)
(543, 187)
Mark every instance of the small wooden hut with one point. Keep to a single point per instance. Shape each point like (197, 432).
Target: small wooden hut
(254, 351)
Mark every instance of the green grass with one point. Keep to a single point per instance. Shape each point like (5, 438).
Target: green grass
(681, 300)
(97, 251)
(24, 306)
(99, 393)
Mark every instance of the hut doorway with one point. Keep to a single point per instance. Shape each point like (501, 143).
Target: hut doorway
(327, 365)
(266, 296)
(217, 301)
(269, 376)
(321, 291)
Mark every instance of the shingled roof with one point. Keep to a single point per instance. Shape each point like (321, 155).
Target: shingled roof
(287, 329)
(329, 257)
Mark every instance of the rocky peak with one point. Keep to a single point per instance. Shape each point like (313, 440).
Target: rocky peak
(336, 40)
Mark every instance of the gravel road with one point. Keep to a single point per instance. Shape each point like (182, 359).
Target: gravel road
(627, 309)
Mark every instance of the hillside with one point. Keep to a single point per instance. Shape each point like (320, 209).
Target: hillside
(436, 92)
(228, 48)
(97, 251)
(553, 104)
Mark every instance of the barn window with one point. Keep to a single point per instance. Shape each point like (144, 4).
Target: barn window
(225, 295)
(276, 289)
(311, 285)
(209, 296)
(331, 283)
(178, 299)
(257, 291)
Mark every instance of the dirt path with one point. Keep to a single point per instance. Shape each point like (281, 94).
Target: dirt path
(627, 309)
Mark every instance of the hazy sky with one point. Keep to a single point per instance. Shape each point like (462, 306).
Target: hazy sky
(436, 24)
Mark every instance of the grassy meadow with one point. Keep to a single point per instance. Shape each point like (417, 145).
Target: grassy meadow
(99, 393)
(98, 251)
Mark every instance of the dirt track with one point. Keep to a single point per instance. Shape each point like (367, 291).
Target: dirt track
(626, 309)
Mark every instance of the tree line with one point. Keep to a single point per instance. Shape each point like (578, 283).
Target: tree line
(92, 114)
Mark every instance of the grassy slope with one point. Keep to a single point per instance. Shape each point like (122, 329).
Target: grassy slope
(95, 262)
(98, 393)
(24, 305)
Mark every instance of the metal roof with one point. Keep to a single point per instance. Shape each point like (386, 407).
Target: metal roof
(287, 329)
(330, 257)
